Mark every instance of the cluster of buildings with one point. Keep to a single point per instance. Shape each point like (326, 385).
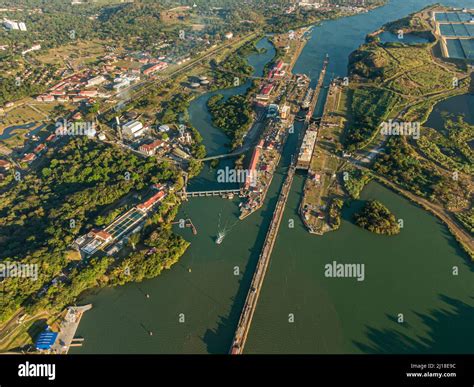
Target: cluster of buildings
(38, 150)
(100, 82)
(31, 152)
(325, 5)
(111, 238)
(75, 88)
(276, 73)
(161, 141)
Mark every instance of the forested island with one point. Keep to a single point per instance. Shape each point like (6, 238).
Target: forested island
(233, 116)
(377, 218)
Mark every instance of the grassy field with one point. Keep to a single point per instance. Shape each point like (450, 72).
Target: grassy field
(78, 54)
(20, 115)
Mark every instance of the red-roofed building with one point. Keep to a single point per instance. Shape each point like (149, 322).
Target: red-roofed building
(51, 138)
(157, 67)
(28, 158)
(59, 86)
(279, 65)
(150, 149)
(265, 92)
(5, 165)
(88, 93)
(102, 235)
(40, 148)
(148, 205)
(45, 98)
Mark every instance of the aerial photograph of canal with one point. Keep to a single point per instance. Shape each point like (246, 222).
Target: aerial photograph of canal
(268, 177)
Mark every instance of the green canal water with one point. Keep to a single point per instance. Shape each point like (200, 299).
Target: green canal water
(195, 306)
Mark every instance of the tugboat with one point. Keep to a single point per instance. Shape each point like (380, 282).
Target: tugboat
(220, 237)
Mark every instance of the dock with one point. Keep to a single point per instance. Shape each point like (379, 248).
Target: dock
(243, 327)
(68, 330)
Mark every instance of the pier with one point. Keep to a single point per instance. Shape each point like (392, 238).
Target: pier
(187, 223)
(68, 330)
(243, 327)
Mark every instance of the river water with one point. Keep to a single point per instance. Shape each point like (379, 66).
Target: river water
(195, 306)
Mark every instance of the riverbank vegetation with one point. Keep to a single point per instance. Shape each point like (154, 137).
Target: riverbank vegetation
(355, 181)
(377, 218)
(401, 164)
(234, 70)
(467, 219)
(335, 211)
(450, 147)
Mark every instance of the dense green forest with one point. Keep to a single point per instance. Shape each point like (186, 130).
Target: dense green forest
(13, 88)
(377, 218)
(233, 116)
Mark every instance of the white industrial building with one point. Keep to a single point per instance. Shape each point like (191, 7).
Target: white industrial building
(133, 129)
(96, 81)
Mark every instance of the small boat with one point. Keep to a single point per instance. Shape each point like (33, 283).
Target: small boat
(220, 238)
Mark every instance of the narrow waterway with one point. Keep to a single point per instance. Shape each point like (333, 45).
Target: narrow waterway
(195, 306)
(31, 129)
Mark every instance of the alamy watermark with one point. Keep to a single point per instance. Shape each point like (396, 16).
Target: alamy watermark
(18, 270)
(345, 270)
(231, 175)
(397, 128)
(69, 128)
